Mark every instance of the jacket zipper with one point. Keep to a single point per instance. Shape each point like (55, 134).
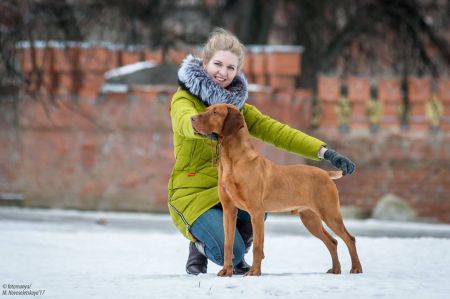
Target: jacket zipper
(188, 227)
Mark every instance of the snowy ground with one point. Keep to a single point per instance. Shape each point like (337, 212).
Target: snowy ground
(66, 254)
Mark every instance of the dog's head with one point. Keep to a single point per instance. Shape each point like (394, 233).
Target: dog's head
(220, 119)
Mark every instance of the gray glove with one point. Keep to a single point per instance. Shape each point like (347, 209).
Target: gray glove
(339, 161)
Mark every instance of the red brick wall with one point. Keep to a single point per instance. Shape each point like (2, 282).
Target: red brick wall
(115, 152)
(413, 166)
(111, 154)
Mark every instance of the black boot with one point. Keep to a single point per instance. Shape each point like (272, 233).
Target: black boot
(241, 268)
(246, 231)
(197, 262)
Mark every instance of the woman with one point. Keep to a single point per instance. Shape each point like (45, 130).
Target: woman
(193, 196)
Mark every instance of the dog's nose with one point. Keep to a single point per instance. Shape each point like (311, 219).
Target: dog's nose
(194, 118)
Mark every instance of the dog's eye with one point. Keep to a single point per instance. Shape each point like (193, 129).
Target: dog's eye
(214, 112)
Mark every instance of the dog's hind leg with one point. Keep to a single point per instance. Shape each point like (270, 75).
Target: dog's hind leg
(313, 223)
(336, 224)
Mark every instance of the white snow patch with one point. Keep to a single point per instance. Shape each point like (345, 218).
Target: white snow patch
(130, 68)
(69, 260)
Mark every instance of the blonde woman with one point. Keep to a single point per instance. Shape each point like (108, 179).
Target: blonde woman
(193, 197)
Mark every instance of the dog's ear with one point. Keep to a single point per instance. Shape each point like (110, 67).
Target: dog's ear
(232, 123)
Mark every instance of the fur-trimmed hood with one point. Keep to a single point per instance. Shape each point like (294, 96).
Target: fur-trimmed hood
(193, 77)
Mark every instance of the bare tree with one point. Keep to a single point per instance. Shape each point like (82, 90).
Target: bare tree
(329, 29)
(354, 33)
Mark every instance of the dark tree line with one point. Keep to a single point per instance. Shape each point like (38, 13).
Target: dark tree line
(410, 29)
(344, 37)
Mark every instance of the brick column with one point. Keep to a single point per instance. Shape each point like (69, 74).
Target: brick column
(389, 95)
(40, 56)
(153, 55)
(282, 106)
(94, 62)
(247, 67)
(176, 56)
(37, 67)
(444, 96)
(259, 65)
(328, 94)
(68, 70)
(302, 107)
(419, 92)
(128, 57)
(261, 97)
(283, 66)
(358, 95)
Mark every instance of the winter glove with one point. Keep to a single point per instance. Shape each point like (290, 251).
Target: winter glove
(339, 161)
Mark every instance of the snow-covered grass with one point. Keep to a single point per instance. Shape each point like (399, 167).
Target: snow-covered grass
(69, 260)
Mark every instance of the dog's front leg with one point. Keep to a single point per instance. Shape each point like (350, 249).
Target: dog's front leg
(258, 243)
(229, 226)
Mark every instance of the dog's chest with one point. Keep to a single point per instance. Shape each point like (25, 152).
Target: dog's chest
(232, 189)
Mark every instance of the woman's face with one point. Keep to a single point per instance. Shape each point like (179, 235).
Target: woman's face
(222, 67)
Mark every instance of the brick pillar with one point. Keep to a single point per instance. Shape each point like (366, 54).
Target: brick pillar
(128, 57)
(37, 67)
(328, 95)
(282, 107)
(259, 65)
(94, 62)
(419, 92)
(68, 70)
(176, 56)
(358, 95)
(247, 67)
(153, 55)
(261, 97)
(444, 96)
(389, 95)
(98, 59)
(301, 107)
(38, 57)
(283, 66)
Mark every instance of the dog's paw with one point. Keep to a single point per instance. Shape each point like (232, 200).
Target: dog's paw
(356, 270)
(226, 271)
(253, 272)
(334, 271)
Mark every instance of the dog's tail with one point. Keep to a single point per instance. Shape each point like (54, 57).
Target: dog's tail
(334, 175)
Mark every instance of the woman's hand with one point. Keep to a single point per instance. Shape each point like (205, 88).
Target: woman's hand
(339, 161)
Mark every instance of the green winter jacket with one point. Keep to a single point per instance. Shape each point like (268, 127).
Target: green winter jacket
(193, 183)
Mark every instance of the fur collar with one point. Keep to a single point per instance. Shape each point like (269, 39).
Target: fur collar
(193, 77)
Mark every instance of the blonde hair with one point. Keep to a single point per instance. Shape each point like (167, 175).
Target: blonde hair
(223, 40)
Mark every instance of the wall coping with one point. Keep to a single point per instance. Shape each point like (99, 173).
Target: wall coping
(42, 44)
(275, 48)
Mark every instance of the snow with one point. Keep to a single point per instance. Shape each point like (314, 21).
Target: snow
(63, 44)
(68, 255)
(114, 87)
(130, 68)
(275, 48)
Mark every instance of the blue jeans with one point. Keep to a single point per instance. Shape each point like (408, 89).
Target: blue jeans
(208, 229)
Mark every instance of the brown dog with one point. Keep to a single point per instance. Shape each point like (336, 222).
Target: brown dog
(250, 182)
